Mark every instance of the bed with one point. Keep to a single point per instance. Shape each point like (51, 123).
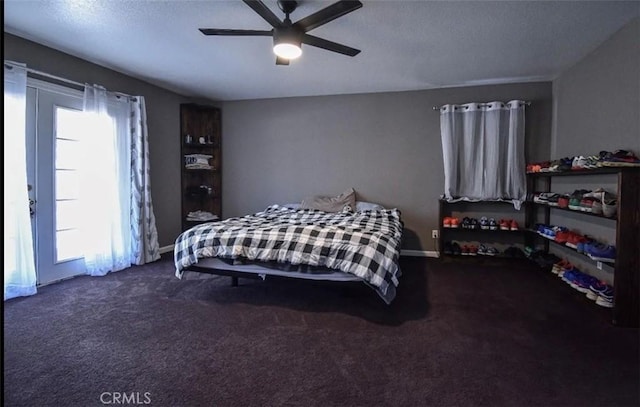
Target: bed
(360, 244)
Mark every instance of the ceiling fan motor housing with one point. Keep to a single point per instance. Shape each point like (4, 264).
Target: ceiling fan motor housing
(287, 6)
(287, 35)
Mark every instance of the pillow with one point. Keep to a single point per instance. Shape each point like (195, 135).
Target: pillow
(368, 206)
(337, 203)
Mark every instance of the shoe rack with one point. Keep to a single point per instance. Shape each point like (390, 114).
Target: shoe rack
(626, 269)
(496, 209)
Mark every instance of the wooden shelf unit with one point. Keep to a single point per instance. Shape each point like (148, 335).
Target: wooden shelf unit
(626, 269)
(199, 121)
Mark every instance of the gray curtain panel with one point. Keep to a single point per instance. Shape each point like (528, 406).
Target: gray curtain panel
(144, 235)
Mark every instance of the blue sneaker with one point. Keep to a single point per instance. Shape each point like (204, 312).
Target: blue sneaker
(582, 282)
(601, 252)
(600, 288)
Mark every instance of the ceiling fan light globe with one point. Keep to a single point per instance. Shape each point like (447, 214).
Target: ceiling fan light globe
(287, 51)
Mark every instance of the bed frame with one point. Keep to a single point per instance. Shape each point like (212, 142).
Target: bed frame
(217, 266)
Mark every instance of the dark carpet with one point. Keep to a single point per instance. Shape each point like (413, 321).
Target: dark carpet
(460, 333)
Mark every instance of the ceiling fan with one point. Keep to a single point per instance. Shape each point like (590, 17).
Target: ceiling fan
(288, 37)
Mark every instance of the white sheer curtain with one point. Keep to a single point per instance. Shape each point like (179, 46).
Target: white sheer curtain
(483, 151)
(105, 184)
(19, 265)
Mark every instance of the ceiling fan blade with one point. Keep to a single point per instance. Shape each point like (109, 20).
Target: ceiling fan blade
(264, 12)
(282, 61)
(329, 45)
(327, 14)
(216, 31)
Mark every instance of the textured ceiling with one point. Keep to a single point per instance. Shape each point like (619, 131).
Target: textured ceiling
(406, 45)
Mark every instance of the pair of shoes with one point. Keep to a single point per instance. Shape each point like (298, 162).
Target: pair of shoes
(469, 250)
(578, 280)
(450, 222)
(601, 293)
(470, 223)
(561, 265)
(619, 158)
(514, 252)
(508, 224)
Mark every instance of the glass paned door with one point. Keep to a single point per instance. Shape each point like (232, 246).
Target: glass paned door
(53, 119)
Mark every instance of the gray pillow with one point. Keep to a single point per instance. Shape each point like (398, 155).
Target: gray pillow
(339, 203)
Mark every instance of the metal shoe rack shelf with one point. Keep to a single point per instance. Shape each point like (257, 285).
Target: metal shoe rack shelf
(626, 269)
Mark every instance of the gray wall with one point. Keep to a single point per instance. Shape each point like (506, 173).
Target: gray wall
(597, 101)
(385, 145)
(597, 107)
(163, 118)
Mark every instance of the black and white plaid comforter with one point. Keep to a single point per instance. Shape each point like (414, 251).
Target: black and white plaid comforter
(366, 243)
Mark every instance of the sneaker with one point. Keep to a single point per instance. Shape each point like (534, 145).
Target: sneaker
(557, 267)
(482, 250)
(448, 249)
(446, 222)
(578, 163)
(473, 224)
(609, 205)
(574, 240)
(504, 224)
(601, 252)
(493, 225)
(553, 200)
(582, 282)
(473, 250)
(492, 251)
(586, 204)
(600, 288)
(465, 250)
(619, 158)
(565, 164)
(465, 223)
(528, 251)
(562, 236)
(591, 162)
(484, 223)
(455, 249)
(576, 198)
(513, 226)
(603, 302)
(455, 223)
(567, 267)
(563, 201)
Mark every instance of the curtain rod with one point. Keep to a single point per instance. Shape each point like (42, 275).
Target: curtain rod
(481, 104)
(59, 78)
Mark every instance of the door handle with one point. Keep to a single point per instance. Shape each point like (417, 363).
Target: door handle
(31, 201)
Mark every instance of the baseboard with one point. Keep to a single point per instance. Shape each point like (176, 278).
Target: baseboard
(166, 249)
(419, 253)
(408, 253)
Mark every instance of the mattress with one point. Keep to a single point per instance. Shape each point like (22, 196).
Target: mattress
(364, 244)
